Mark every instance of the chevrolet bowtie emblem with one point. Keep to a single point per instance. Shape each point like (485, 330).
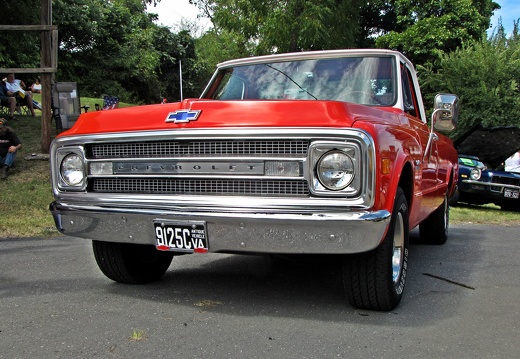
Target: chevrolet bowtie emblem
(182, 116)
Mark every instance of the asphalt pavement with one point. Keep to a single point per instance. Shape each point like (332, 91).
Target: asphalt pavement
(462, 300)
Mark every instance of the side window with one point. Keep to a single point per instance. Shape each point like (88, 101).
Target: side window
(231, 87)
(410, 104)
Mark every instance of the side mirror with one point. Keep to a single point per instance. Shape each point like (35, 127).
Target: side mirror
(445, 112)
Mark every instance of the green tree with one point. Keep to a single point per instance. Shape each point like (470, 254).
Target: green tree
(106, 46)
(377, 17)
(216, 46)
(269, 26)
(486, 77)
(20, 48)
(178, 52)
(114, 47)
(423, 30)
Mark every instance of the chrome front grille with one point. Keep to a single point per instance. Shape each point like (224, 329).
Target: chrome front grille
(257, 187)
(187, 152)
(170, 149)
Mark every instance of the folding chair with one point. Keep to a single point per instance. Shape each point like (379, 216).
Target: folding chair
(109, 103)
(66, 105)
(23, 109)
(4, 109)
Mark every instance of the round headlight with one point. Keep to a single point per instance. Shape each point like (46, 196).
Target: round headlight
(72, 169)
(475, 174)
(335, 170)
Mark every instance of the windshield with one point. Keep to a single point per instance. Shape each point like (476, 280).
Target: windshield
(363, 80)
(471, 162)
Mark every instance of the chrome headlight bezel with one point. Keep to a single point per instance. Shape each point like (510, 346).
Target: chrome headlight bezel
(351, 151)
(71, 169)
(475, 174)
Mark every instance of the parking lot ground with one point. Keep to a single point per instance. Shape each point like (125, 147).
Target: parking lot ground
(462, 300)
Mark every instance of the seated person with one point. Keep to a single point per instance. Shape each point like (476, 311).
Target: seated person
(16, 88)
(36, 87)
(8, 101)
(9, 146)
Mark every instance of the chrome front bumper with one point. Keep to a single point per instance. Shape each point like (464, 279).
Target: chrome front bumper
(319, 233)
(500, 186)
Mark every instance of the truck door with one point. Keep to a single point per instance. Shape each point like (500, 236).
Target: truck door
(428, 162)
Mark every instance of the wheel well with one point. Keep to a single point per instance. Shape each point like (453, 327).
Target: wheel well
(406, 182)
(451, 185)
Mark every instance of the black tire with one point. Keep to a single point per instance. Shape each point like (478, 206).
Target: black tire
(131, 263)
(375, 280)
(434, 229)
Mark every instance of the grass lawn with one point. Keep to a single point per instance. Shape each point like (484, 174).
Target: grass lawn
(26, 194)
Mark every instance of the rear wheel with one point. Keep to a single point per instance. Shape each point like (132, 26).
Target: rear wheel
(375, 280)
(434, 229)
(131, 263)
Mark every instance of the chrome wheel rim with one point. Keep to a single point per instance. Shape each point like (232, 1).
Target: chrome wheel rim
(398, 248)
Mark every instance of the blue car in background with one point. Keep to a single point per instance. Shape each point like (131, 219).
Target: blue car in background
(480, 185)
(482, 176)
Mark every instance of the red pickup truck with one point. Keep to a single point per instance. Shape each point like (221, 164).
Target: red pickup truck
(325, 152)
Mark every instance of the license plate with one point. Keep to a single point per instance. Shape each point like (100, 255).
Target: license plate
(511, 193)
(181, 236)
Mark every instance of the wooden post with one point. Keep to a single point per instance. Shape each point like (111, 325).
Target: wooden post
(48, 60)
(46, 78)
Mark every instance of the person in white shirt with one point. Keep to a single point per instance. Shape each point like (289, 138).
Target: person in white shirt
(513, 163)
(16, 88)
(36, 87)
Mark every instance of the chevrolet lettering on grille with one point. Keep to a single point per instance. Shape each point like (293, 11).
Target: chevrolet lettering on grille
(185, 167)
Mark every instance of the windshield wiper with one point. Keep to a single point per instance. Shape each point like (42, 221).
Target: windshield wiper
(294, 82)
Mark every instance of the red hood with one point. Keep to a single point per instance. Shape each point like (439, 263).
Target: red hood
(230, 114)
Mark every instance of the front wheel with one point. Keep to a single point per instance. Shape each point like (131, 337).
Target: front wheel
(375, 280)
(131, 263)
